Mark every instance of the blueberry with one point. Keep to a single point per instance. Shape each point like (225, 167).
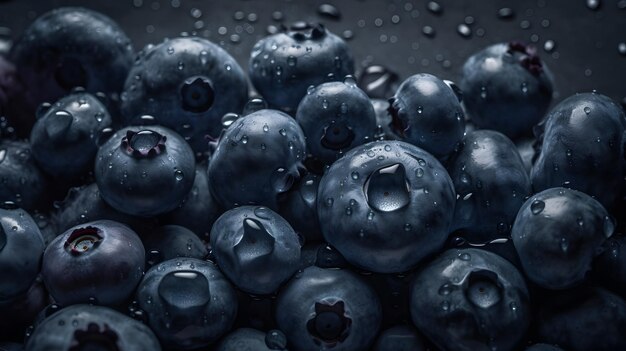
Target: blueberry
(21, 248)
(491, 185)
(84, 204)
(282, 66)
(85, 327)
(262, 152)
(506, 87)
(11, 346)
(426, 112)
(189, 303)
(172, 241)
(471, 299)
(383, 121)
(581, 147)
(583, 319)
(97, 262)
(386, 205)
(255, 248)
(69, 47)
(557, 233)
(335, 117)
(22, 181)
(145, 170)
(188, 84)
(64, 139)
(399, 338)
(199, 210)
(327, 308)
(248, 339)
(299, 208)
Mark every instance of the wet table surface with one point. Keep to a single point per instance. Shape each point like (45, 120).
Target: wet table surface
(582, 41)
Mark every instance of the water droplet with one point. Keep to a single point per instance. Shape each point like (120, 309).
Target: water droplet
(355, 175)
(419, 172)
(621, 48)
(445, 305)
(587, 109)
(329, 11)
(3, 154)
(464, 256)
(244, 139)
(292, 60)
(593, 4)
(513, 306)
(564, 244)
(370, 216)
(434, 7)
(537, 206)
(325, 104)
(282, 132)
(549, 45)
(464, 30)
(266, 128)
(275, 340)
(524, 88)
(428, 31)
(483, 92)
(408, 227)
(179, 175)
(608, 227)
(445, 289)
(329, 202)
(506, 13)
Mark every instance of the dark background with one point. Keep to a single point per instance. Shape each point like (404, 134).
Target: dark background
(388, 32)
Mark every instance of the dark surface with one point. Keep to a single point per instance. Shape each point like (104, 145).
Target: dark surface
(585, 55)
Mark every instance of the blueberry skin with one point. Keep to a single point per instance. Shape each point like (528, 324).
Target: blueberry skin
(582, 147)
(84, 204)
(69, 47)
(586, 319)
(189, 303)
(543, 347)
(609, 268)
(21, 248)
(145, 170)
(386, 205)
(12, 102)
(506, 87)
(64, 139)
(87, 327)
(557, 233)
(23, 182)
(255, 248)
(172, 241)
(260, 155)
(248, 339)
(471, 299)
(17, 314)
(399, 338)
(328, 308)
(426, 112)
(187, 84)
(282, 66)
(199, 210)
(97, 262)
(335, 117)
(491, 183)
(299, 208)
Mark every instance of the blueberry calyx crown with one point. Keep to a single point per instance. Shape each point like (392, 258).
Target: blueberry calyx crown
(330, 323)
(197, 94)
(529, 59)
(484, 290)
(301, 31)
(94, 338)
(337, 136)
(83, 240)
(144, 143)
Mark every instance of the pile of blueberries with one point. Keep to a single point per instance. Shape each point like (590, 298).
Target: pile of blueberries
(152, 200)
